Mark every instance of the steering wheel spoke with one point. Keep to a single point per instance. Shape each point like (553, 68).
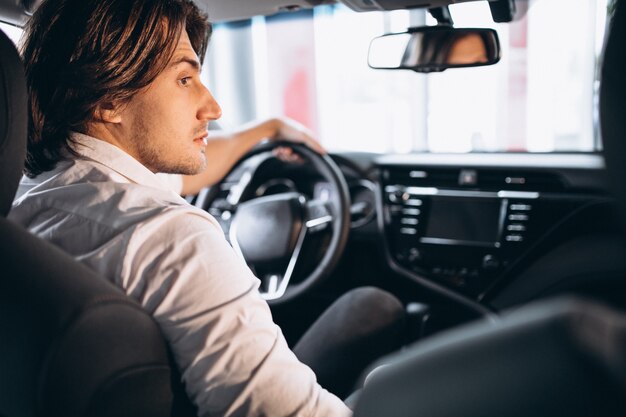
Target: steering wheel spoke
(318, 217)
(275, 285)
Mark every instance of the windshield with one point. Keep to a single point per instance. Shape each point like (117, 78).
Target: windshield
(312, 66)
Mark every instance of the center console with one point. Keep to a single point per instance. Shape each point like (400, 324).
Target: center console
(464, 228)
(461, 238)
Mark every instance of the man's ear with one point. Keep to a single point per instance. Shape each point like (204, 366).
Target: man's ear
(108, 113)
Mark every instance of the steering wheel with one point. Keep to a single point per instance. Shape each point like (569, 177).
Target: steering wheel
(275, 233)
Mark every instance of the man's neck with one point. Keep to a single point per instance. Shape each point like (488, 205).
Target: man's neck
(106, 133)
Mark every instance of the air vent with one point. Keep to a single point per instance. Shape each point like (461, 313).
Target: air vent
(480, 179)
(519, 180)
(429, 177)
(363, 202)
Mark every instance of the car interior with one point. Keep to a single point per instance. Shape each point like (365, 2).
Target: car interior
(509, 260)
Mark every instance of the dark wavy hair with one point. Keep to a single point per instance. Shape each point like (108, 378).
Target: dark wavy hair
(79, 54)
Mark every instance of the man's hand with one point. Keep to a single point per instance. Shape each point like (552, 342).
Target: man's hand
(291, 130)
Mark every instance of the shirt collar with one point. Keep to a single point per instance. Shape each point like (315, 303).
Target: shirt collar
(111, 156)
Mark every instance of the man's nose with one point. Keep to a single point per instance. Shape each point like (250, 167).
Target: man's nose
(209, 109)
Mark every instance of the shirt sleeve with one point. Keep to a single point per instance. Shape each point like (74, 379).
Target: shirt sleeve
(233, 358)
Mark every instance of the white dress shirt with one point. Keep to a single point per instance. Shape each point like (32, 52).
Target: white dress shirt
(111, 213)
(173, 181)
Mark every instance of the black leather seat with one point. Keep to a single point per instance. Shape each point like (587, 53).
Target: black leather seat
(560, 358)
(613, 104)
(70, 343)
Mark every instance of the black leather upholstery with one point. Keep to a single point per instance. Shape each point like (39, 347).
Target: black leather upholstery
(565, 358)
(70, 343)
(13, 122)
(613, 105)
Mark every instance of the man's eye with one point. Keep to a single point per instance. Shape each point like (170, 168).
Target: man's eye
(184, 81)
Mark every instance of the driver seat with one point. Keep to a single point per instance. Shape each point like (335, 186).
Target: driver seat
(71, 344)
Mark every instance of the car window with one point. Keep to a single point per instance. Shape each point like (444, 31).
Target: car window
(311, 65)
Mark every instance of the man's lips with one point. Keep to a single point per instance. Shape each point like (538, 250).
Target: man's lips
(204, 139)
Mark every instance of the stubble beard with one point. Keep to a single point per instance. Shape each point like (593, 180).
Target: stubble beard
(164, 158)
(163, 161)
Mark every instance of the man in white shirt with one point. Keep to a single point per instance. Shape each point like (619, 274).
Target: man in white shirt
(127, 102)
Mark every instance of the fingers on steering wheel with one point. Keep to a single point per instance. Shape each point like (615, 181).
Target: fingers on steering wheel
(286, 154)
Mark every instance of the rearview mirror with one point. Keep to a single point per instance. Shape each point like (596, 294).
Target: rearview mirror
(435, 48)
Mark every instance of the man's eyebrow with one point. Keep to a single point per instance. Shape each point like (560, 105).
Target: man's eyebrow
(184, 59)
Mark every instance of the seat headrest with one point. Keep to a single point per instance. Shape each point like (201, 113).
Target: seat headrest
(13, 122)
(613, 104)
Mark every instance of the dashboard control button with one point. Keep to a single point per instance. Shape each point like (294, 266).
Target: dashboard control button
(490, 262)
(516, 227)
(521, 207)
(468, 177)
(515, 180)
(414, 255)
(514, 238)
(409, 220)
(518, 217)
(408, 231)
(411, 211)
(413, 202)
(393, 197)
(418, 174)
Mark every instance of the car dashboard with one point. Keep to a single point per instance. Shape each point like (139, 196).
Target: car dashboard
(464, 227)
(465, 223)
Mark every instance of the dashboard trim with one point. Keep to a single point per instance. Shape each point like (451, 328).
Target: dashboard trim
(576, 161)
(426, 191)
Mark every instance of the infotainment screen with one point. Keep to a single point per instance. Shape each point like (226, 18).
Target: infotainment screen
(464, 220)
